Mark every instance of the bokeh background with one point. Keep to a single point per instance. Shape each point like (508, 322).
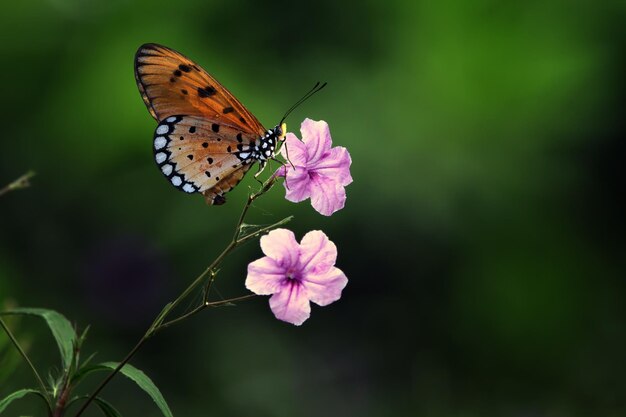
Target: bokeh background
(483, 235)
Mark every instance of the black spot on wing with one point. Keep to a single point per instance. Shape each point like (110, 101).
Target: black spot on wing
(228, 110)
(184, 68)
(207, 91)
(215, 127)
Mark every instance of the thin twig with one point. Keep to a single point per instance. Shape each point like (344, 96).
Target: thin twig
(201, 307)
(42, 386)
(230, 300)
(21, 182)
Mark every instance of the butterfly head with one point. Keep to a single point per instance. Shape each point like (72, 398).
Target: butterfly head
(281, 132)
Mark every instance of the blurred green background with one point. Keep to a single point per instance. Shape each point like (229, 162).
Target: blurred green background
(483, 235)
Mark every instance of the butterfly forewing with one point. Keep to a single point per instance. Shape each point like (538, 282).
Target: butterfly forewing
(172, 84)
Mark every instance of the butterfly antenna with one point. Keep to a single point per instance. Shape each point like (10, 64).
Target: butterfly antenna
(317, 87)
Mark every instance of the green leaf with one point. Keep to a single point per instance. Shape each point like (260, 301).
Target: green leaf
(17, 395)
(85, 370)
(107, 409)
(135, 375)
(60, 327)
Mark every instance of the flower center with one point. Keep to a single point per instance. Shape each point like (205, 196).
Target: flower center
(292, 275)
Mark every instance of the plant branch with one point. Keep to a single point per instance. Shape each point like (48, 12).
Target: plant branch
(21, 182)
(42, 386)
(201, 307)
(159, 322)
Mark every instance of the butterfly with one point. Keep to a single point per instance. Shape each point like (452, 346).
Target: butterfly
(205, 140)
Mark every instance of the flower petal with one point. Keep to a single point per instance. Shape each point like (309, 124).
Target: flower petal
(265, 276)
(316, 137)
(294, 150)
(327, 196)
(297, 184)
(336, 165)
(325, 288)
(282, 247)
(317, 253)
(291, 304)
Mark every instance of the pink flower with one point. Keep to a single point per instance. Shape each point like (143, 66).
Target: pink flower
(321, 172)
(295, 274)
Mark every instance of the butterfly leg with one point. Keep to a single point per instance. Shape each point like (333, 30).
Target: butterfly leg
(282, 164)
(261, 168)
(287, 157)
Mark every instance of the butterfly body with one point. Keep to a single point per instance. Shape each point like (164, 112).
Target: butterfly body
(205, 140)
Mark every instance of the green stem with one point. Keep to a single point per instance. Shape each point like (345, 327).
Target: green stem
(42, 386)
(263, 230)
(159, 324)
(201, 307)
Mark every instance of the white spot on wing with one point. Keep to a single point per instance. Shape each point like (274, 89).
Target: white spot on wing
(244, 155)
(171, 119)
(176, 180)
(161, 157)
(162, 129)
(167, 169)
(159, 142)
(188, 188)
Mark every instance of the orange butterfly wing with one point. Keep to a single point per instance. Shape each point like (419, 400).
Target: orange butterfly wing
(203, 129)
(172, 84)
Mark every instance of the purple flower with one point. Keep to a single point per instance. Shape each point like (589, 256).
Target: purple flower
(321, 172)
(295, 274)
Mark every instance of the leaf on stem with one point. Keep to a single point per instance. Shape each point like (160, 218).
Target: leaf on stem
(4, 403)
(137, 376)
(60, 327)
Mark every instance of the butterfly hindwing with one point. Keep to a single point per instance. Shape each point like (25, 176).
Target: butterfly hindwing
(199, 155)
(172, 84)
